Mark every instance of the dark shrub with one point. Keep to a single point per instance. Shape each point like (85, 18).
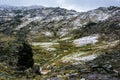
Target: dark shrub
(25, 56)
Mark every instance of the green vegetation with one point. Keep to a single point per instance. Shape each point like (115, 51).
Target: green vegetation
(8, 48)
(16, 55)
(41, 56)
(25, 56)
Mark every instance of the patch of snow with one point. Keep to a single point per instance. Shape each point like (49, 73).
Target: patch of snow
(83, 79)
(119, 24)
(72, 56)
(77, 57)
(82, 16)
(27, 16)
(86, 40)
(11, 14)
(46, 45)
(23, 25)
(46, 12)
(47, 33)
(51, 49)
(35, 18)
(99, 15)
(65, 38)
(86, 58)
(63, 32)
(57, 18)
(28, 21)
(115, 12)
(77, 23)
(103, 17)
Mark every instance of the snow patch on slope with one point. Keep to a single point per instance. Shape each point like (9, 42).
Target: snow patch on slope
(47, 33)
(46, 45)
(86, 40)
(22, 25)
(77, 57)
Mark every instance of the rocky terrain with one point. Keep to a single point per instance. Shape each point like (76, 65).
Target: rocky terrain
(53, 43)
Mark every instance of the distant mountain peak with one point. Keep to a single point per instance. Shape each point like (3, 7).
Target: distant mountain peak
(20, 7)
(35, 6)
(110, 8)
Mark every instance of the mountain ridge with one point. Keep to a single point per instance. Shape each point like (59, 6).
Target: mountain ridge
(49, 15)
(64, 44)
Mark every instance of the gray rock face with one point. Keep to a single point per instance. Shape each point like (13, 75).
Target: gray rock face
(58, 21)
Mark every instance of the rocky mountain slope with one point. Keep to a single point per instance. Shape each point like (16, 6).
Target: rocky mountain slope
(56, 22)
(66, 44)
